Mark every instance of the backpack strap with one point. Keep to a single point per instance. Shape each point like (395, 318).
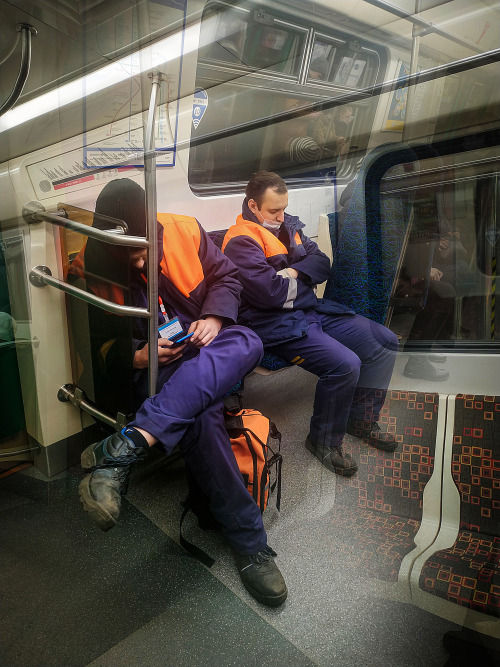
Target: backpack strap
(233, 404)
(192, 549)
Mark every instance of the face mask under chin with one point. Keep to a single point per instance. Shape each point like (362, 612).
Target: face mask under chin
(272, 225)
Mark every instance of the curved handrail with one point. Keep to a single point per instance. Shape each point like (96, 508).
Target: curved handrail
(26, 31)
(41, 276)
(35, 212)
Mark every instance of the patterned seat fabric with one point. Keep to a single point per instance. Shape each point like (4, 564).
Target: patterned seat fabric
(468, 573)
(380, 508)
(270, 361)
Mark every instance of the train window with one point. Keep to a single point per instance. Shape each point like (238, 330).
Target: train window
(223, 35)
(255, 39)
(276, 57)
(321, 60)
(343, 64)
(274, 45)
(444, 291)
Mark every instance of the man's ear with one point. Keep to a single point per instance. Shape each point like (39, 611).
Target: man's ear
(252, 205)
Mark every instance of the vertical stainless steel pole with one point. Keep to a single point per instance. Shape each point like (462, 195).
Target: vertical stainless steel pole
(152, 233)
(410, 94)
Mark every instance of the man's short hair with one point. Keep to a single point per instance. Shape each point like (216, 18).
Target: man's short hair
(260, 182)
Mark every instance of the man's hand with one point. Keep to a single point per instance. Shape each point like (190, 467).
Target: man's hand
(204, 331)
(436, 274)
(288, 273)
(443, 244)
(166, 354)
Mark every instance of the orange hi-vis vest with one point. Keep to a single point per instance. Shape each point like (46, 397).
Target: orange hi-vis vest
(180, 262)
(269, 243)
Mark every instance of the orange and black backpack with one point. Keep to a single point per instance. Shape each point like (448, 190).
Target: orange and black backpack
(256, 444)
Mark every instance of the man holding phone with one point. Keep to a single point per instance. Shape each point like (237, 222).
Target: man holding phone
(202, 354)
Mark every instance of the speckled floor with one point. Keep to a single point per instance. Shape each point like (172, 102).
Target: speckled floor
(73, 596)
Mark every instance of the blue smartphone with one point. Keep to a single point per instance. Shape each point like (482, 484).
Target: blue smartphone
(181, 340)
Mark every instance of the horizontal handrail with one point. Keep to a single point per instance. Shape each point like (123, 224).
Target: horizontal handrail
(35, 212)
(41, 276)
(69, 210)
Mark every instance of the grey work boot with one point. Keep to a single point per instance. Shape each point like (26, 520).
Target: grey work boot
(261, 577)
(420, 368)
(375, 433)
(333, 458)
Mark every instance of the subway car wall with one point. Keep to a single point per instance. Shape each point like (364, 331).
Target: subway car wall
(384, 123)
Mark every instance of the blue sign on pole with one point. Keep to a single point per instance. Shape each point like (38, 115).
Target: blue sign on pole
(200, 104)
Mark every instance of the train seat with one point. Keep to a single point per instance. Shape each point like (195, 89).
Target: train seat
(463, 566)
(388, 512)
(101, 369)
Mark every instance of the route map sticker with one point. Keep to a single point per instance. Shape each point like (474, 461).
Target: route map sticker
(200, 104)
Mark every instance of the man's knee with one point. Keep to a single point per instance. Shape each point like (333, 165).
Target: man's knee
(385, 337)
(248, 344)
(349, 364)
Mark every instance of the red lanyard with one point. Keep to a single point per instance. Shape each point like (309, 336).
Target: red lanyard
(160, 302)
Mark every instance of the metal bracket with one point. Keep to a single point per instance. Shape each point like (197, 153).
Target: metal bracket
(31, 210)
(156, 76)
(74, 395)
(26, 26)
(37, 281)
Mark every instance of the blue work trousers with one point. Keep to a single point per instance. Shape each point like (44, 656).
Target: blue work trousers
(188, 410)
(353, 358)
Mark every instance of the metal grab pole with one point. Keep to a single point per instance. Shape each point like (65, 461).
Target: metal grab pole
(152, 233)
(410, 92)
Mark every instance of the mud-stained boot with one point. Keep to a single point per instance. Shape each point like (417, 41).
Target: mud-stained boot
(109, 461)
(101, 494)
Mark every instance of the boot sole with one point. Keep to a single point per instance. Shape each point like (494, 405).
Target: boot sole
(99, 516)
(342, 472)
(275, 601)
(416, 376)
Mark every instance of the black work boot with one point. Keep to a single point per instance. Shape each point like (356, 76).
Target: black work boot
(261, 577)
(375, 433)
(101, 494)
(333, 458)
(115, 450)
(101, 491)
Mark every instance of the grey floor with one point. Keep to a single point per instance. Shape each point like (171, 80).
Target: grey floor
(132, 597)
